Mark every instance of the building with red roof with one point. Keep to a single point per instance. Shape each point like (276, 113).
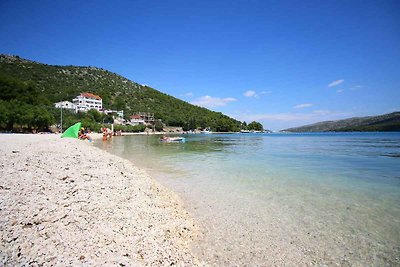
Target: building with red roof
(87, 101)
(142, 118)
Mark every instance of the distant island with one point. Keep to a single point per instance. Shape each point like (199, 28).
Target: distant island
(381, 123)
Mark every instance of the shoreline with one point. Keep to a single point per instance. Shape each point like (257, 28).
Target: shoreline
(279, 224)
(66, 202)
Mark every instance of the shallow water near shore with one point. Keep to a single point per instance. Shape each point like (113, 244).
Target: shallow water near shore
(282, 199)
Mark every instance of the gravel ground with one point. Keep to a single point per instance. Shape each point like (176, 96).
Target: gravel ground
(65, 202)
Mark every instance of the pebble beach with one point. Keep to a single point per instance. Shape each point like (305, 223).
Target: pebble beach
(65, 202)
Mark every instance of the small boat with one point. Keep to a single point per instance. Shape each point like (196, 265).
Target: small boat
(244, 131)
(173, 139)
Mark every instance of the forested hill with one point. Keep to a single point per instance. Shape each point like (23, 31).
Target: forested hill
(57, 83)
(386, 122)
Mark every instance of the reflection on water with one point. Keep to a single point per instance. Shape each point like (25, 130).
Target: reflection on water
(284, 199)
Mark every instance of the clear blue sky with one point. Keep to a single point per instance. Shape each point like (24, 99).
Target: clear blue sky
(284, 63)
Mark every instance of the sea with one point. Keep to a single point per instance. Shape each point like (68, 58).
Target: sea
(282, 199)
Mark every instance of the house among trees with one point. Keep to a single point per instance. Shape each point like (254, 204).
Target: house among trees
(66, 105)
(88, 101)
(119, 113)
(136, 120)
(142, 118)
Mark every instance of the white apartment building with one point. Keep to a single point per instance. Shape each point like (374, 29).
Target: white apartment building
(66, 105)
(88, 101)
(120, 113)
(136, 120)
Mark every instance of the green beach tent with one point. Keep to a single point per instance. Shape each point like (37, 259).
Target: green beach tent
(72, 132)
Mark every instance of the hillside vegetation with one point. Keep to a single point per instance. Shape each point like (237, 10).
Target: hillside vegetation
(386, 122)
(56, 83)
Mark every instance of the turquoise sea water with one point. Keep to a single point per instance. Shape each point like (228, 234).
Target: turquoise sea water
(283, 199)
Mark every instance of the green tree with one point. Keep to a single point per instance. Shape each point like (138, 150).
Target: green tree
(26, 92)
(130, 128)
(42, 118)
(4, 113)
(159, 126)
(108, 119)
(255, 126)
(95, 115)
(16, 114)
(119, 103)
